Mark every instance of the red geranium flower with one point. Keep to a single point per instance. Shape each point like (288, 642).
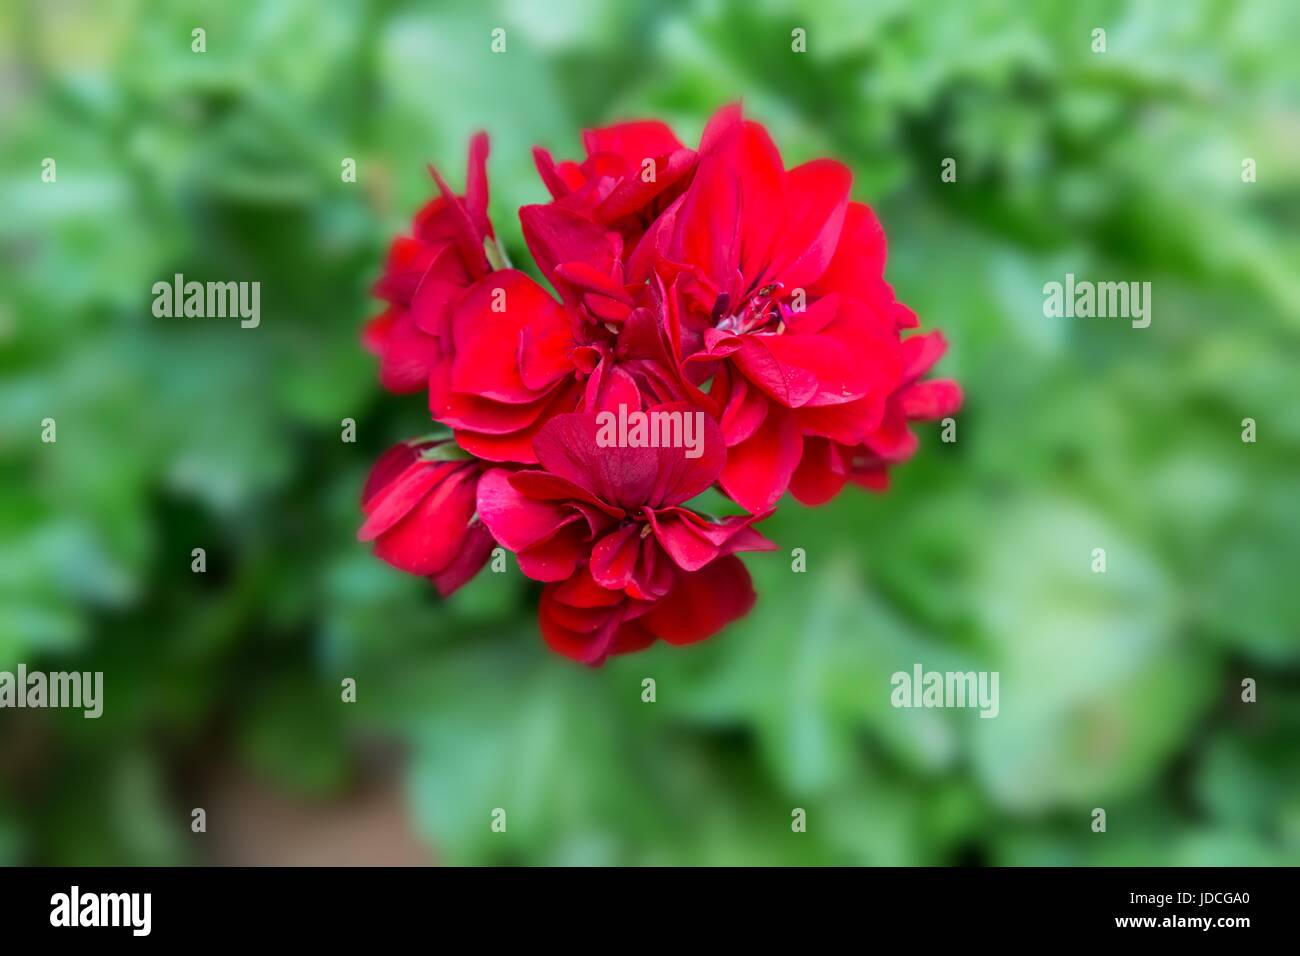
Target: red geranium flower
(778, 296)
(425, 273)
(632, 173)
(712, 283)
(606, 526)
(595, 241)
(515, 355)
(419, 511)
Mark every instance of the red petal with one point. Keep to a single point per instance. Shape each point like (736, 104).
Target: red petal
(680, 477)
(582, 591)
(931, 400)
(763, 360)
(692, 542)
(386, 470)
(583, 621)
(514, 519)
(487, 342)
(546, 168)
(610, 387)
(744, 407)
(543, 486)
(632, 141)
(893, 441)
(706, 230)
(480, 414)
(821, 474)
(566, 446)
(545, 355)
(631, 636)
(760, 173)
(473, 554)
(759, 468)
(408, 358)
(556, 235)
(476, 185)
(613, 559)
(920, 352)
(429, 538)
(702, 603)
(815, 199)
(858, 266)
(635, 194)
(555, 558)
(847, 424)
(389, 505)
(375, 332)
(588, 645)
(873, 479)
(724, 120)
(468, 234)
(518, 445)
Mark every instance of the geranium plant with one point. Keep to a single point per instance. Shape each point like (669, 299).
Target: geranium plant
(708, 284)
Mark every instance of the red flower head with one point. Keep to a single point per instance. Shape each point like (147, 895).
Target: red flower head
(675, 271)
(425, 273)
(419, 504)
(518, 356)
(632, 173)
(595, 241)
(605, 525)
(778, 296)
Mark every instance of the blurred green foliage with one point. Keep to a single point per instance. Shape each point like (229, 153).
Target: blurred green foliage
(1119, 690)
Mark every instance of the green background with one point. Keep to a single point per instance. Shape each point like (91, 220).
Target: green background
(1118, 690)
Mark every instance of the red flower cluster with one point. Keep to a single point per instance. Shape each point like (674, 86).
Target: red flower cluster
(707, 287)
